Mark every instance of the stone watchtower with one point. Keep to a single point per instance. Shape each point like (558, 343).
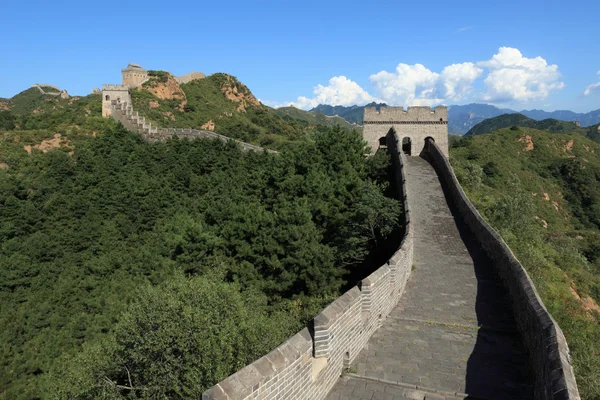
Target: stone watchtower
(120, 93)
(134, 75)
(412, 126)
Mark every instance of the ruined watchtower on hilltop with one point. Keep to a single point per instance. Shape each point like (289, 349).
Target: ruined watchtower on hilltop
(412, 126)
(120, 93)
(134, 75)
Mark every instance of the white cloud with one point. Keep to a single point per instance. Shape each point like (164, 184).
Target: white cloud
(341, 91)
(509, 77)
(417, 85)
(593, 88)
(513, 77)
(464, 28)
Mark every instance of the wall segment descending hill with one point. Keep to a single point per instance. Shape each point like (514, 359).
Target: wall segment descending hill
(123, 113)
(307, 365)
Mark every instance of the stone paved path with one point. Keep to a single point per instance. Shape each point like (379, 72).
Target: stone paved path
(452, 334)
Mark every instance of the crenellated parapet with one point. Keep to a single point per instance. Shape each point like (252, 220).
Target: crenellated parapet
(412, 114)
(115, 87)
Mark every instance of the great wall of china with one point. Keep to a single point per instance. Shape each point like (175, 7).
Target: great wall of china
(452, 314)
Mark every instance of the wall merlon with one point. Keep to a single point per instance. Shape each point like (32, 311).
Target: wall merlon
(114, 87)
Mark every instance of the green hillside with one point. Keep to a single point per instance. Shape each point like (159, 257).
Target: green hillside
(549, 125)
(106, 241)
(221, 103)
(541, 192)
(314, 118)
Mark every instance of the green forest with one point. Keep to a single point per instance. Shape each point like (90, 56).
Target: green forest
(541, 192)
(154, 270)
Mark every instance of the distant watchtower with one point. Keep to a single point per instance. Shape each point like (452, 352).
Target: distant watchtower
(134, 75)
(412, 126)
(120, 93)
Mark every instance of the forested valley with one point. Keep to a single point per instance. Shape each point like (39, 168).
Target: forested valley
(154, 270)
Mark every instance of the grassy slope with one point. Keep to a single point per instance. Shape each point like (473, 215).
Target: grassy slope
(518, 192)
(550, 125)
(205, 101)
(314, 118)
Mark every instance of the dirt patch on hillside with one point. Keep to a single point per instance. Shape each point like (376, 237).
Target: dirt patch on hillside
(244, 97)
(555, 204)
(49, 144)
(3, 165)
(568, 146)
(587, 302)
(528, 142)
(209, 126)
(589, 149)
(153, 104)
(4, 106)
(168, 90)
(544, 223)
(546, 196)
(169, 115)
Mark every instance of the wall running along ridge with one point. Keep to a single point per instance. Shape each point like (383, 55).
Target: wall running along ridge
(307, 365)
(123, 113)
(545, 341)
(416, 123)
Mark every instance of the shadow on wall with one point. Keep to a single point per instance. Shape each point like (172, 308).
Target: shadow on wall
(498, 368)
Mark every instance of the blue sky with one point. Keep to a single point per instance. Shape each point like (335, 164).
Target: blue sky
(520, 54)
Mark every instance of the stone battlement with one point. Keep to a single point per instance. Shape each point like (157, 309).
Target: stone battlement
(413, 126)
(115, 87)
(416, 113)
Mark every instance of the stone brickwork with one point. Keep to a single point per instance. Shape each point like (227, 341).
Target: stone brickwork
(122, 112)
(134, 75)
(545, 342)
(116, 93)
(416, 124)
(307, 366)
(190, 77)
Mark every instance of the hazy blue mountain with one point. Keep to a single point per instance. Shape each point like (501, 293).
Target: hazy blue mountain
(464, 117)
(352, 114)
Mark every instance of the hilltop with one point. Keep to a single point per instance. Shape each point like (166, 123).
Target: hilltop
(520, 120)
(541, 192)
(550, 124)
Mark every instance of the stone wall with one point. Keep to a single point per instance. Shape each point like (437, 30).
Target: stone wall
(134, 75)
(307, 365)
(190, 77)
(547, 346)
(416, 123)
(110, 93)
(122, 112)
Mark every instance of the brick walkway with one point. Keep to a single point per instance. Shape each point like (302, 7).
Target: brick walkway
(452, 334)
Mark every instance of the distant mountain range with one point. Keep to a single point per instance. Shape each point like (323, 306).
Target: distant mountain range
(463, 118)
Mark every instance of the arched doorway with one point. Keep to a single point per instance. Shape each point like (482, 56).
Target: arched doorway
(383, 142)
(407, 145)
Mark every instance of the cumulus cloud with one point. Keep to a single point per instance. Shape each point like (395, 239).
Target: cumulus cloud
(417, 85)
(513, 77)
(341, 91)
(508, 77)
(593, 88)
